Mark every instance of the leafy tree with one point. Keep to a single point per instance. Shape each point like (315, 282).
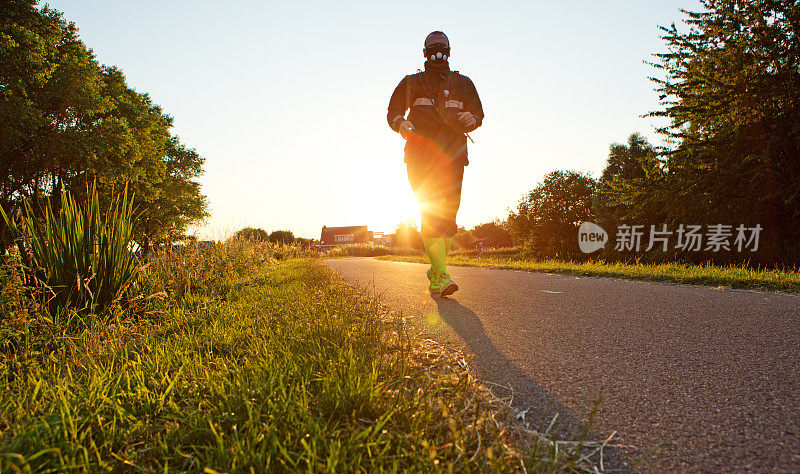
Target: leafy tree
(407, 235)
(250, 233)
(624, 161)
(281, 236)
(305, 243)
(492, 234)
(547, 218)
(465, 239)
(48, 86)
(69, 122)
(631, 187)
(731, 90)
(176, 201)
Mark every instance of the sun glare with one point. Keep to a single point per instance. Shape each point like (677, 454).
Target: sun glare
(390, 208)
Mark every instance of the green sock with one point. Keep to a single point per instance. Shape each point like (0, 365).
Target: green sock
(435, 248)
(448, 242)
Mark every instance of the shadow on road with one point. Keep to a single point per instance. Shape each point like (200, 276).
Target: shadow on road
(495, 367)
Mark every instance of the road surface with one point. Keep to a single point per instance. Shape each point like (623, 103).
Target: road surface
(696, 378)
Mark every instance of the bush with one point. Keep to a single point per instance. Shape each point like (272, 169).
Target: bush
(464, 239)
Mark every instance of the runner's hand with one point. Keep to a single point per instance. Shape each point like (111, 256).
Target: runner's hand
(406, 128)
(467, 120)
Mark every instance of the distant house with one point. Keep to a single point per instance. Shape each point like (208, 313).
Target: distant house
(381, 238)
(333, 236)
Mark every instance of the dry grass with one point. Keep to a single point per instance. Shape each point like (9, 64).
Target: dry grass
(534, 450)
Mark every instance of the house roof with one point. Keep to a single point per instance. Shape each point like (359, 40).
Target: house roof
(344, 230)
(359, 232)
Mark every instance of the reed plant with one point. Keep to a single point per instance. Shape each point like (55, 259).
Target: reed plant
(82, 257)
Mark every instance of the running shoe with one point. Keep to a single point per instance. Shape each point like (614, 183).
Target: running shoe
(435, 285)
(446, 285)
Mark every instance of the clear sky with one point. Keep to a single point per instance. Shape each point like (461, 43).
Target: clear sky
(287, 100)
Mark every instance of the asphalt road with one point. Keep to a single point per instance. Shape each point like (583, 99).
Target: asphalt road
(698, 379)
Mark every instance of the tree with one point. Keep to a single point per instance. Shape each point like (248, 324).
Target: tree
(49, 85)
(547, 218)
(249, 233)
(492, 234)
(305, 243)
(176, 201)
(407, 235)
(282, 237)
(731, 90)
(624, 161)
(70, 122)
(465, 239)
(631, 186)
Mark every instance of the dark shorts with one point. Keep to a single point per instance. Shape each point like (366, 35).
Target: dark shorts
(437, 185)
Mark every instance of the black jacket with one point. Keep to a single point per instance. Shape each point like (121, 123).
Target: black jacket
(435, 96)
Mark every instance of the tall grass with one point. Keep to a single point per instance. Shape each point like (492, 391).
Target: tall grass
(210, 271)
(83, 258)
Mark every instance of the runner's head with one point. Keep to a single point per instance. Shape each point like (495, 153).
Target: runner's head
(437, 48)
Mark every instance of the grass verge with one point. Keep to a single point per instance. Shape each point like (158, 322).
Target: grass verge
(368, 250)
(733, 276)
(252, 364)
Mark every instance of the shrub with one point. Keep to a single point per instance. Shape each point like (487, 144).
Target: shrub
(492, 234)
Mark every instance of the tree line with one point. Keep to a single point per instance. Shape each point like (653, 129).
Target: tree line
(276, 237)
(489, 234)
(69, 122)
(729, 87)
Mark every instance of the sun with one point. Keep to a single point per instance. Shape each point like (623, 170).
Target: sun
(387, 200)
(386, 212)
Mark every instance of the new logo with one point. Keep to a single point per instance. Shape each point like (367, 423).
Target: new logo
(591, 237)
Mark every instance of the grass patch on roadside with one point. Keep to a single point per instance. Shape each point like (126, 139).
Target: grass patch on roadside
(253, 361)
(368, 250)
(733, 276)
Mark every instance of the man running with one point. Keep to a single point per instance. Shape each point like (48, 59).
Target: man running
(444, 108)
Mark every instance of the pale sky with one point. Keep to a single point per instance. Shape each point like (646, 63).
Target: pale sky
(287, 100)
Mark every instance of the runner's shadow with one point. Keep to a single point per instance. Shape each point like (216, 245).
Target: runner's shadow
(495, 367)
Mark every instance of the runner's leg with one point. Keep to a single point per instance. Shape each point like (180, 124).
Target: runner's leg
(452, 201)
(426, 186)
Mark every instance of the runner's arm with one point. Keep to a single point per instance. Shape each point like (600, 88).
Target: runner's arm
(473, 104)
(398, 104)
